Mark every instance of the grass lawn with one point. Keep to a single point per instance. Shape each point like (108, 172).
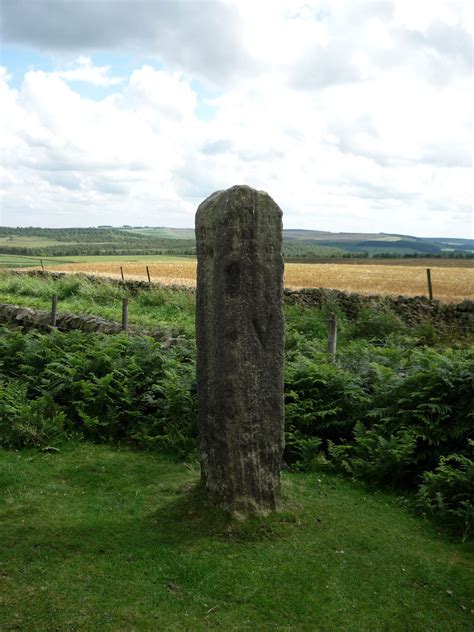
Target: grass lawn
(97, 538)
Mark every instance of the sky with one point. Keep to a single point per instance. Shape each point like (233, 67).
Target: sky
(354, 116)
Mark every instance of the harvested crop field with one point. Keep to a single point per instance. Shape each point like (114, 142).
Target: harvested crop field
(450, 284)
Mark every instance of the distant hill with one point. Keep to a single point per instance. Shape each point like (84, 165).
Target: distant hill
(164, 233)
(307, 243)
(135, 240)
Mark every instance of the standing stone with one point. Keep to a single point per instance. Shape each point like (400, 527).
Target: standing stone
(239, 334)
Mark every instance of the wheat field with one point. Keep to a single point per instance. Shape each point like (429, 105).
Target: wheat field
(450, 284)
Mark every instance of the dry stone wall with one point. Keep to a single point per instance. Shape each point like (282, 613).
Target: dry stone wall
(28, 318)
(412, 310)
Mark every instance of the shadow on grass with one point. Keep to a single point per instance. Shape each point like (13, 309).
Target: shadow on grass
(193, 518)
(178, 523)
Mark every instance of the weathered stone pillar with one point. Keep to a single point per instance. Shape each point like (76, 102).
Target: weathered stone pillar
(239, 334)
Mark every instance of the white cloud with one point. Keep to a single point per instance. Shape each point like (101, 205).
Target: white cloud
(88, 73)
(166, 93)
(113, 155)
(353, 116)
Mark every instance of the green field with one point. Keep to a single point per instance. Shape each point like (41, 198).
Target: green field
(101, 523)
(49, 242)
(20, 241)
(96, 538)
(16, 261)
(19, 261)
(131, 258)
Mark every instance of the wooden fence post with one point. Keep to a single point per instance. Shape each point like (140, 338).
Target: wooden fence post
(125, 314)
(430, 287)
(332, 336)
(148, 274)
(54, 309)
(121, 274)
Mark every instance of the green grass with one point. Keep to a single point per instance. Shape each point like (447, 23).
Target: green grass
(16, 261)
(27, 261)
(100, 538)
(21, 241)
(159, 307)
(156, 308)
(132, 257)
(95, 538)
(22, 261)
